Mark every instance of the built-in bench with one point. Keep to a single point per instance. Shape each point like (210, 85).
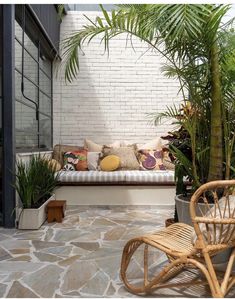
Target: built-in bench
(130, 187)
(117, 187)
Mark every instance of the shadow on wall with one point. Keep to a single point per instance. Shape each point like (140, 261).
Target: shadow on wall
(111, 97)
(79, 109)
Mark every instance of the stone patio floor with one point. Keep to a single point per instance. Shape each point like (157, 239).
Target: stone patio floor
(81, 256)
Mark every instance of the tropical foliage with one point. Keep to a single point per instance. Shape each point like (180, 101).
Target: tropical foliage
(35, 181)
(194, 118)
(199, 50)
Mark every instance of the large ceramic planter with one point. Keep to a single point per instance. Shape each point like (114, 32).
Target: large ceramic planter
(182, 206)
(33, 218)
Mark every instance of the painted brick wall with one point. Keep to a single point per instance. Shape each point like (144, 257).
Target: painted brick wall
(112, 95)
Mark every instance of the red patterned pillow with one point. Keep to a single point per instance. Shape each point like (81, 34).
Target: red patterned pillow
(151, 160)
(76, 160)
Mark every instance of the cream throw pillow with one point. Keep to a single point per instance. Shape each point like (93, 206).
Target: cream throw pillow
(153, 144)
(92, 146)
(223, 207)
(93, 160)
(95, 147)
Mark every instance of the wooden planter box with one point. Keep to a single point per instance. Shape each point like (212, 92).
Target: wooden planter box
(33, 218)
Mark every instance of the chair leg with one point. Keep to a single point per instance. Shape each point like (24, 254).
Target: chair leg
(163, 274)
(128, 251)
(228, 281)
(216, 293)
(167, 273)
(145, 265)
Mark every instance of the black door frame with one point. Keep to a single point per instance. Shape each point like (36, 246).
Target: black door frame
(8, 117)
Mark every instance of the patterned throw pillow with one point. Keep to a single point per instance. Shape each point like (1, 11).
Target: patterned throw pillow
(127, 157)
(60, 149)
(151, 160)
(168, 159)
(76, 160)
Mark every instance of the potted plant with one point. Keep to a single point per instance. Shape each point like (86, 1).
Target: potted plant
(192, 143)
(35, 183)
(180, 146)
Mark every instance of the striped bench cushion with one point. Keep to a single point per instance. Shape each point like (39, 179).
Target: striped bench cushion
(132, 176)
(92, 176)
(155, 176)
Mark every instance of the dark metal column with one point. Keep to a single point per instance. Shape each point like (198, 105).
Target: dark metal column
(8, 114)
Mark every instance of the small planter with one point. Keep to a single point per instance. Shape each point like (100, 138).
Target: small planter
(33, 218)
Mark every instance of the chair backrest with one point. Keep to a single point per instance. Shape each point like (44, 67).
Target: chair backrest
(212, 209)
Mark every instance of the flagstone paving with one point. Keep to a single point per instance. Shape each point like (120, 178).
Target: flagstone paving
(81, 256)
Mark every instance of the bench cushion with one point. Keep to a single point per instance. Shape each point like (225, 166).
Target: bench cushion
(123, 176)
(155, 176)
(92, 176)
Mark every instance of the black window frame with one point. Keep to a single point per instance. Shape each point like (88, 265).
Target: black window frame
(35, 105)
(1, 103)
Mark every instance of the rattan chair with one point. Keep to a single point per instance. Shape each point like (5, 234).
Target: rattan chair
(214, 230)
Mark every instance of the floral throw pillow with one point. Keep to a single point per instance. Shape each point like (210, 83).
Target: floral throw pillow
(76, 160)
(151, 159)
(168, 159)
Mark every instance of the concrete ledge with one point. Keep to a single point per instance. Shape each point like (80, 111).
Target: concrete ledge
(117, 195)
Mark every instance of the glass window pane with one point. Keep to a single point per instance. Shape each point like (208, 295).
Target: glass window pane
(26, 126)
(44, 104)
(45, 65)
(45, 131)
(30, 90)
(18, 55)
(45, 83)
(31, 133)
(30, 68)
(30, 46)
(18, 31)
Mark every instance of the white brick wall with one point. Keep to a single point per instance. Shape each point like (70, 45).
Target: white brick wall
(112, 95)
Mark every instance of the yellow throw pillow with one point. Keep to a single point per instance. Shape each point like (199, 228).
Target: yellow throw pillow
(55, 164)
(110, 163)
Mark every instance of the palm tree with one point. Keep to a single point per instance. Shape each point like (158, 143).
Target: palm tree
(182, 29)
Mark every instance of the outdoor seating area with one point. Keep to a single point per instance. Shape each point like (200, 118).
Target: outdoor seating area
(117, 150)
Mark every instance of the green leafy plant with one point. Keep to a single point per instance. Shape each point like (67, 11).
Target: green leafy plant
(60, 11)
(187, 35)
(35, 181)
(195, 116)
